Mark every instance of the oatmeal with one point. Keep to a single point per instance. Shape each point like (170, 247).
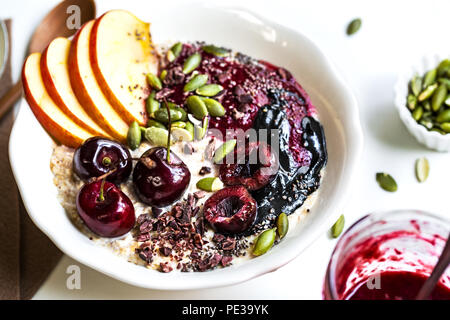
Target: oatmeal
(178, 224)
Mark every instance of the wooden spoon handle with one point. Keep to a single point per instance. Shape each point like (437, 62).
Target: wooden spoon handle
(7, 101)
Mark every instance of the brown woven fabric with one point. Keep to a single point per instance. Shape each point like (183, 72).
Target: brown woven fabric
(26, 255)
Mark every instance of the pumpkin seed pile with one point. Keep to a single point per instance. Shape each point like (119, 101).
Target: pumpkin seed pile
(200, 103)
(429, 99)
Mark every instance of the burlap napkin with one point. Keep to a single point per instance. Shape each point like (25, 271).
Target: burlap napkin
(26, 255)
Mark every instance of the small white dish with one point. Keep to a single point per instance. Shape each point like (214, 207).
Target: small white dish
(30, 147)
(431, 139)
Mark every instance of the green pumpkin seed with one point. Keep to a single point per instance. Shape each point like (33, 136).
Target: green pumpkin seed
(429, 78)
(190, 127)
(214, 107)
(163, 75)
(427, 115)
(447, 100)
(445, 81)
(154, 123)
(338, 227)
(154, 81)
(426, 123)
(412, 102)
(196, 82)
(176, 48)
(181, 134)
(354, 26)
(417, 113)
(209, 184)
(152, 105)
(223, 150)
(197, 107)
(217, 51)
(209, 90)
(134, 136)
(170, 56)
(191, 63)
(157, 136)
(426, 105)
(171, 104)
(443, 116)
(179, 124)
(200, 132)
(162, 116)
(183, 112)
(439, 97)
(416, 85)
(174, 51)
(443, 67)
(386, 182)
(438, 131)
(425, 94)
(422, 169)
(264, 242)
(445, 127)
(282, 225)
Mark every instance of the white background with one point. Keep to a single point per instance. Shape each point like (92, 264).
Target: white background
(394, 34)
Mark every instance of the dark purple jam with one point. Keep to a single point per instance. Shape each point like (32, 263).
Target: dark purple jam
(260, 95)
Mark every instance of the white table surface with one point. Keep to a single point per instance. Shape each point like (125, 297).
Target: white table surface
(393, 34)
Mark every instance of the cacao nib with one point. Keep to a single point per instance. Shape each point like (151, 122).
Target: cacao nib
(163, 93)
(165, 251)
(199, 194)
(164, 267)
(204, 170)
(174, 76)
(226, 260)
(218, 238)
(229, 244)
(200, 225)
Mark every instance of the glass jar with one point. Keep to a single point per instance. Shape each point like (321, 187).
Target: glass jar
(400, 247)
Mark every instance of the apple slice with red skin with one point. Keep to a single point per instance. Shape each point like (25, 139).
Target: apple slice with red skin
(87, 89)
(54, 121)
(121, 55)
(55, 74)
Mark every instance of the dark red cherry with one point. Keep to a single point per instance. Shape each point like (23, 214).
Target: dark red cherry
(230, 210)
(256, 167)
(110, 216)
(157, 182)
(98, 156)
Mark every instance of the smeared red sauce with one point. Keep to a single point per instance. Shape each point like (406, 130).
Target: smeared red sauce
(256, 77)
(397, 285)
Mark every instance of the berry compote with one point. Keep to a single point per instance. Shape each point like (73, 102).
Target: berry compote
(259, 95)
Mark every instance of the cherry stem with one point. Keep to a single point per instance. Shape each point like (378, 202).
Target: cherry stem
(169, 128)
(101, 197)
(103, 176)
(106, 161)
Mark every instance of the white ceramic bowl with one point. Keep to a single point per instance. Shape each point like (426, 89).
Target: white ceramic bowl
(31, 147)
(431, 139)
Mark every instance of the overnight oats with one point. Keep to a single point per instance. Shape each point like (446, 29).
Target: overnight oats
(186, 157)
